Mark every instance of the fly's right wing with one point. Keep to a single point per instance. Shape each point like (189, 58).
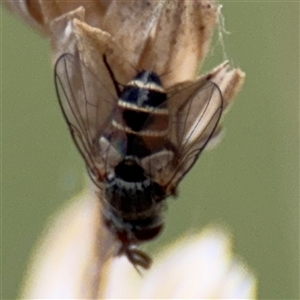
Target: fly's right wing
(88, 106)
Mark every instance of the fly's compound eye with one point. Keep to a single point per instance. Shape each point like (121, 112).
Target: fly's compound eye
(147, 234)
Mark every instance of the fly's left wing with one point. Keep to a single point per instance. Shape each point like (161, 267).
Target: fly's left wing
(195, 111)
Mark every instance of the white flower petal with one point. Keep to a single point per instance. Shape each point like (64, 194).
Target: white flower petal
(197, 268)
(123, 281)
(238, 283)
(67, 262)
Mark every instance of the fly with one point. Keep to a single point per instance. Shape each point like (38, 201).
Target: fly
(138, 141)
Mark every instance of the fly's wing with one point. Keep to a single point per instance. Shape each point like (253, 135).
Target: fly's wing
(195, 112)
(87, 105)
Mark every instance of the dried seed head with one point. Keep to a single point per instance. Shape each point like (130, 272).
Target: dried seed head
(168, 37)
(40, 14)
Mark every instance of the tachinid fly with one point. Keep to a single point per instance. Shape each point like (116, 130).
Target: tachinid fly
(138, 141)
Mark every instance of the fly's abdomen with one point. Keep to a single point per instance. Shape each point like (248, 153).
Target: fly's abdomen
(143, 113)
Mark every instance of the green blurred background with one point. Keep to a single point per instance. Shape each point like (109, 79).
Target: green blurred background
(250, 183)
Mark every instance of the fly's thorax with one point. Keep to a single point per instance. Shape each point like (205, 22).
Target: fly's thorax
(131, 193)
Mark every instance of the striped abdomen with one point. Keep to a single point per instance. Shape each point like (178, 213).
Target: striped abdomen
(143, 115)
